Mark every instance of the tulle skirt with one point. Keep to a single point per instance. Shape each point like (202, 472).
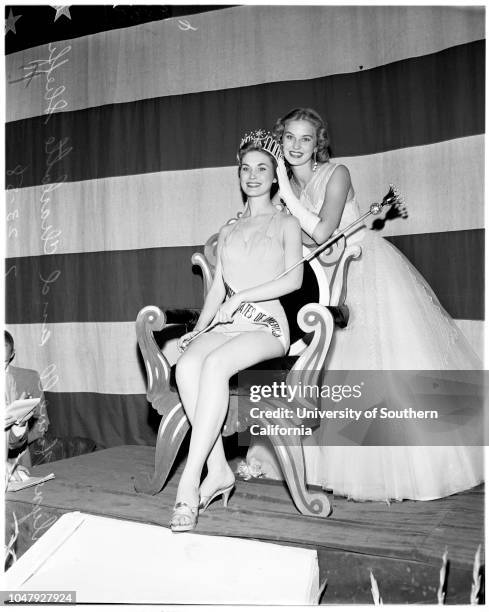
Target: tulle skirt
(396, 323)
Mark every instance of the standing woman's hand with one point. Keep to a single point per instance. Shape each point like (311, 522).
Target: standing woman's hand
(283, 180)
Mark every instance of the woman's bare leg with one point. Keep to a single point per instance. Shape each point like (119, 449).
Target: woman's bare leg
(188, 371)
(223, 362)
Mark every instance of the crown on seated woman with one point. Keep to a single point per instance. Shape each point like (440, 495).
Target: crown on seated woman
(265, 141)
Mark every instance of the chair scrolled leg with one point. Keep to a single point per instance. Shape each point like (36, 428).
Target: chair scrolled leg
(172, 431)
(288, 448)
(289, 452)
(174, 423)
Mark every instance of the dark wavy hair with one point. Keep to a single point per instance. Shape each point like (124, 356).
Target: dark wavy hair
(321, 127)
(10, 341)
(253, 146)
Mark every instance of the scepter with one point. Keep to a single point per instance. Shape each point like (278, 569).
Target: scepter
(391, 198)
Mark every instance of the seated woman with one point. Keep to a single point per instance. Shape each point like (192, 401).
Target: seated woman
(396, 323)
(250, 254)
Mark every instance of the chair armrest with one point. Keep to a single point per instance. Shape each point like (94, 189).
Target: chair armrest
(201, 261)
(317, 319)
(149, 320)
(338, 289)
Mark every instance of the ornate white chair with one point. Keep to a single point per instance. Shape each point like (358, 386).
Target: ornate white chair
(307, 354)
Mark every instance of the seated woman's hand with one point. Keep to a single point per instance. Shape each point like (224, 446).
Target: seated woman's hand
(185, 340)
(225, 314)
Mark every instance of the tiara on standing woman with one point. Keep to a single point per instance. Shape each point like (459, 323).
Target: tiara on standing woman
(265, 141)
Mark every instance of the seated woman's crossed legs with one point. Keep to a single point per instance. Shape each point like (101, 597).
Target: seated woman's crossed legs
(188, 371)
(203, 374)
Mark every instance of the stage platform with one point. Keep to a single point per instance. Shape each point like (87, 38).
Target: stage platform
(401, 543)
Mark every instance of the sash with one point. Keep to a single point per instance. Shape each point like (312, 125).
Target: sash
(256, 314)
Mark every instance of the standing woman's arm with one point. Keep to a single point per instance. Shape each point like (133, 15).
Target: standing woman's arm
(333, 204)
(318, 226)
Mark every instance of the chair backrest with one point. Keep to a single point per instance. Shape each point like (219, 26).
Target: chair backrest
(324, 280)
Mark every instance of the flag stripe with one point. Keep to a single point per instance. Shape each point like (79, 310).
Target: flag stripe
(84, 20)
(117, 284)
(442, 185)
(453, 265)
(342, 35)
(109, 420)
(104, 358)
(108, 353)
(408, 103)
(101, 286)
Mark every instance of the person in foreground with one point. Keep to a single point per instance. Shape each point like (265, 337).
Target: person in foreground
(396, 323)
(250, 253)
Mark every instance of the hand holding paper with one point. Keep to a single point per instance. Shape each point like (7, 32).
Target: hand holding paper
(19, 411)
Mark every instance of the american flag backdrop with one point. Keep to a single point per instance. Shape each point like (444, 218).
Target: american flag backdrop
(121, 136)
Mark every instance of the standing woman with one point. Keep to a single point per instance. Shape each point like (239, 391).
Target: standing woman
(250, 254)
(396, 323)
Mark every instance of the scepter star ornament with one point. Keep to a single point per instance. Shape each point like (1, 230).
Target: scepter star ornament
(391, 198)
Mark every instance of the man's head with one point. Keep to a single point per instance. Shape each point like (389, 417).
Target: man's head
(9, 348)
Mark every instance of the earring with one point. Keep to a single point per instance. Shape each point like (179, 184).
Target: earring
(315, 166)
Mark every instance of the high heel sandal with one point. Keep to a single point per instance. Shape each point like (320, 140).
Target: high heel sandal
(224, 491)
(184, 510)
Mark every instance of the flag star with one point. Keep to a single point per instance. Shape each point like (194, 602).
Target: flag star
(62, 10)
(10, 22)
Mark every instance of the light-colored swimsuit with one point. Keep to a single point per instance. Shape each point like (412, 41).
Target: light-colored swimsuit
(249, 262)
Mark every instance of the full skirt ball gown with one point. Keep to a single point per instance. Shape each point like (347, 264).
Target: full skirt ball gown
(396, 323)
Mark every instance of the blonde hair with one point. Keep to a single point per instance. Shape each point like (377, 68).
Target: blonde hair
(306, 114)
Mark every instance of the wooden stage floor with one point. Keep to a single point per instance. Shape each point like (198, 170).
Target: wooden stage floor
(401, 543)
